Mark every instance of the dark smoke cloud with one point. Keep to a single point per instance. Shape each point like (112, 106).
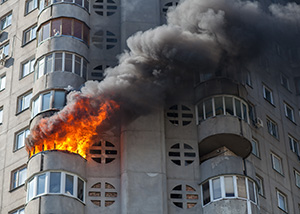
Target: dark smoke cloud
(200, 36)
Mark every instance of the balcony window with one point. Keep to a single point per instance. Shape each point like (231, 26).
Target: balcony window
(48, 100)
(223, 105)
(53, 183)
(82, 3)
(64, 27)
(228, 187)
(61, 61)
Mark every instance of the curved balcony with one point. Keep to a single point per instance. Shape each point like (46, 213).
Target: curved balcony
(49, 185)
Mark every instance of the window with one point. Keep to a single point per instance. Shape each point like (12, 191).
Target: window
(5, 21)
(285, 82)
(260, 185)
(277, 163)
(48, 100)
(83, 3)
(18, 177)
(18, 211)
(248, 79)
(294, 145)
(65, 27)
(272, 128)
(255, 148)
(289, 112)
(27, 67)
(56, 183)
(2, 82)
(228, 187)
(223, 105)
(29, 34)
(281, 201)
(5, 49)
(268, 94)
(61, 61)
(2, 1)
(297, 178)
(20, 138)
(24, 101)
(1, 115)
(30, 5)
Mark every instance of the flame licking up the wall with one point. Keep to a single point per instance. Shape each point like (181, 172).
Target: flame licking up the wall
(73, 130)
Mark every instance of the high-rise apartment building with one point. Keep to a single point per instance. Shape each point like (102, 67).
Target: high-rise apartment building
(228, 144)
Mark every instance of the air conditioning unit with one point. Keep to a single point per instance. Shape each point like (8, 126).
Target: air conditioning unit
(259, 123)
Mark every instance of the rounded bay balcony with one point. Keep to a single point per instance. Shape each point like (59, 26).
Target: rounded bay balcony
(55, 178)
(224, 121)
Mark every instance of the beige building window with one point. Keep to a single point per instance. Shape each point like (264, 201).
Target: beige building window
(1, 115)
(24, 102)
(289, 112)
(18, 177)
(2, 82)
(281, 199)
(297, 178)
(18, 211)
(29, 34)
(5, 21)
(272, 128)
(30, 5)
(20, 138)
(268, 94)
(277, 163)
(27, 68)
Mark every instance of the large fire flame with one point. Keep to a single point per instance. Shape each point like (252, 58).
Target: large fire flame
(75, 130)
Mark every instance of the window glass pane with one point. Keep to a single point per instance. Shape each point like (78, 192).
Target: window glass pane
(228, 105)
(41, 67)
(59, 99)
(84, 69)
(56, 26)
(80, 189)
(78, 2)
(46, 31)
(35, 109)
(238, 108)
(205, 193)
(26, 37)
(15, 180)
(68, 62)
(254, 148)
(77, 29)
(251, 190)
(281, 201)
(1, 116)
(55, 182)
(27, 99)
(245, 116)
(46, 101)
(20, 140)
(69, 184)
(48, 66)
(58, 62)
(241, 184)
(86, 4)
(6, 50)
(200, 112)
(33, 33)
(22, 176)
(216, 188)
(41, 184)
(2, 82)
(30, 190)
(26, 68)
(77, 65)
(208, 108)
(219, 105)
(276, 164)
(67, 27)
(86, 31)
(229, 191)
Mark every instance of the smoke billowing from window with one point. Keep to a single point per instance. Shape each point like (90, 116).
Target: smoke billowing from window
(200, 36)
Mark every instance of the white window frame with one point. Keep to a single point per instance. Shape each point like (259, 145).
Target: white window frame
(35, 6)
(21, 102)
(280, 170)
(1, 115)
(62, 186)
(272, 128)
(297, 178)
(20, 210)
(30, 66)
(32, 34)
(265, 90)
(5, 49)
(248, 79)
(2, 82)
(5, 21)
(260, 181)
(287, 84)
(287, 108)
(17, 173)
(25, 132)
(256, 146)
(294, 145)
(279, 193)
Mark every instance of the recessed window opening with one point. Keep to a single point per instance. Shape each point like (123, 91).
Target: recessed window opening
(2, 82)
(289, 112)
(61, 61)
(184, 196)
(103, 194)
(272, 128)
(294, 145)
(180, 115)
(268, 94)
(82, 3)
(103, 152)
(18, 177)
(226, 187)
(56, 182)
(182, 154)
(223, 105)
(105, 7)
(5, 21)
(277, 163)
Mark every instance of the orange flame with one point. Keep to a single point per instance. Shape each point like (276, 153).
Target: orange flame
(73, 130)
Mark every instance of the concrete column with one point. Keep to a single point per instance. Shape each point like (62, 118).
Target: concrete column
(143, 166)
(138, 15)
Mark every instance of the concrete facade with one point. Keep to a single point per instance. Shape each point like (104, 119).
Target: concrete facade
(159, 163)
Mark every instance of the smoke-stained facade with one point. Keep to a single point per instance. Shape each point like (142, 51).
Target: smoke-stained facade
(198, 115)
